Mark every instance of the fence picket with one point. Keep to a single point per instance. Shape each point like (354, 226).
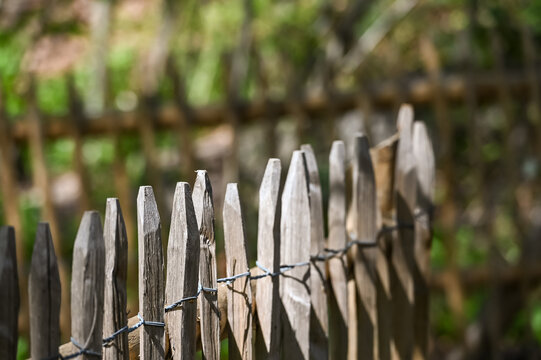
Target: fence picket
(402, 284)
(9, 301)
(151, 278)
(365, 220)
(424, 162)
(182, 274)
(338, 307)
(116, 270)
(44, 294)
(239, 292)
(295, 240)
(319, 327)
(383, 156)
(208, 301)
(87, 282)
(268, 256)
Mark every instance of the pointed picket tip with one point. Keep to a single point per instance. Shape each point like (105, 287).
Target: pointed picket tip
(272, 172)
(89, 230)
(338, 150)
(405, 117)
(297, 169)
(9, 300)
(148, 215)
(203, 203)
(425, 162)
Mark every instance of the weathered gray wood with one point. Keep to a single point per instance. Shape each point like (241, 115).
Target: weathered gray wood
(182, 274)
(9, 300)
(338, 306)
(295, 248)
(268, 255)
(383, 157)
(44, 293)
(151, 281)
(116, 270)
(209, 312)
(425, 165)
(365, 229)
(239, 296)
(402, 284)
(87, 283)
(319, 318)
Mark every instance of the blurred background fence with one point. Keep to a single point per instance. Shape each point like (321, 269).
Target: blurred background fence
(99, 97)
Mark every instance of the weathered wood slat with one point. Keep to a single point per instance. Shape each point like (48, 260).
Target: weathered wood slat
(295, 240)
(338, 306)
(116, 271)
(44, 293)
(319, 326)
(9, 301)
(383, 156)
(268, 255)
(239, 296)
(365, 219)
(425, 165)
(151, 278)
(182, 274)
(402, 283)
(208, 302)
(87, 282)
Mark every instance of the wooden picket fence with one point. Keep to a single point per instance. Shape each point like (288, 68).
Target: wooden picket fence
(360, 293)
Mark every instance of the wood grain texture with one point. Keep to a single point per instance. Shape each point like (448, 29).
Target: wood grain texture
(319, 317)
(151, 277)
(268, 254)
(9, 301)
(295, 240)
(45, 293)
(383, 156)
(338, 305)
(182, 274)
(425, 165)
(365, 229)
(239, 296)
(402, 283)
(209, 312)
(87, 283)
(116, 271)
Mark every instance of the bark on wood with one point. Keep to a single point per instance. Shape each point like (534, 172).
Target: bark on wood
(402, 283)
(319, 321)
(365, 229)
(9, 301)
(209, 311)
(425, 164)
(116, 270)
(338, 315)
(151, 278)
(295, 240)
(268, 255)
(87, 284)
(182, 274)
(239, 296)
(45, 293)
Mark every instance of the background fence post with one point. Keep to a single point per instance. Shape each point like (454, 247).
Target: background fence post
(116, 270)
(44, 294)
(365, 230)
(403, 243)
(267, 295)
(87, 281)
(295, 240)
(182, 274)
(338, 304)
(425, 164)
(151, 281)
(208, 301)
(319, 316)
(9, 301)
(239, 292)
